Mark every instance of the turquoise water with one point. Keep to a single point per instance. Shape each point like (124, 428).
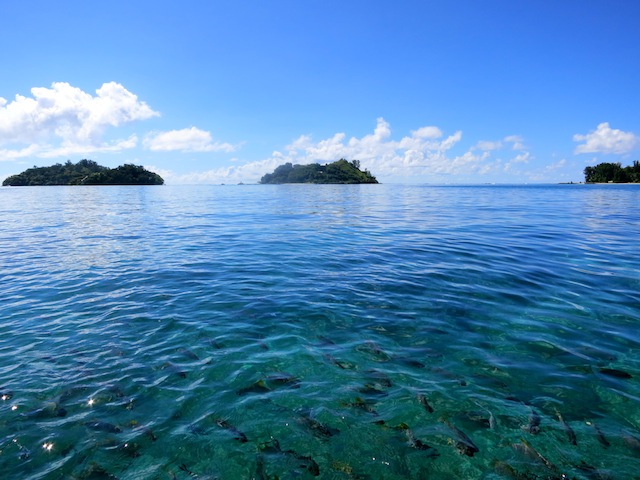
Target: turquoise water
(341, 332)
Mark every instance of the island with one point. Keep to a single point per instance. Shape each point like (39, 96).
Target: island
(613, 173)
(85, 172)
(341, 171)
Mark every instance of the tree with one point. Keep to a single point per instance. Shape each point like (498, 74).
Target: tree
(85, 172)
(341, 171)
(612, 173)
(127, 174)
(634, 172)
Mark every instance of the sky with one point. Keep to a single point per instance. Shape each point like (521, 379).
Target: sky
(210, 92)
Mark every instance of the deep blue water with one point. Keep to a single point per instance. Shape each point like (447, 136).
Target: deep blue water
(343, 332)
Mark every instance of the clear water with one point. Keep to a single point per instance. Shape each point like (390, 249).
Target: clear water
(301, 331)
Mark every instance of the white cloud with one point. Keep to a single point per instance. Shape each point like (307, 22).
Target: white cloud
(187, 140)
(164, 173)
(7, 155)
(516, 141)
(427, 132)
(65, 118)
(552, 172)
(375, 145)
(556, 166)
(71, 149)
(521, 158)
(605, 139)
(488, 146)
(246, 173)
(425, 152)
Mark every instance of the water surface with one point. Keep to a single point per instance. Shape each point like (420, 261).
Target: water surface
(295, 331)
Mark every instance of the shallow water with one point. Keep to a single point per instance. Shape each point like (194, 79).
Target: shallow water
(371, 331)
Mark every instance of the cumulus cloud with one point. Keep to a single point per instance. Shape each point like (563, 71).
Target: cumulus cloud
(247, 173)
(67, 150)
(64, 119)
(426, 151)
(7, 154)
(515, 141)
(370, 146)
(605, 139)
(422, 152)
(427, 132)
(488, 146)
(186, 140)
(556, 166)
(551, 172)
(521, 158)
(512, 165)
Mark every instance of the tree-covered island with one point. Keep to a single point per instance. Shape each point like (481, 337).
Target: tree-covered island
(341, 171)
(85, 172)
(613, 173)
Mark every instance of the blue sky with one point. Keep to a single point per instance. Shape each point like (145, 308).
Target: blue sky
(418, 91)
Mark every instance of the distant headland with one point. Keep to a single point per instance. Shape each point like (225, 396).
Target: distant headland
(85, 172)
(612, 173)
(341, 171)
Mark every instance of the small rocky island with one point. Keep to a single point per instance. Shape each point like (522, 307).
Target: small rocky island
(85, 172)
(341, 171)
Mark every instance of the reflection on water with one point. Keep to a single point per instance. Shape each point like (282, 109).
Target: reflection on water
(320, 331)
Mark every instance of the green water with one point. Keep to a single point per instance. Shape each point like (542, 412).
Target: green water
(372, 331)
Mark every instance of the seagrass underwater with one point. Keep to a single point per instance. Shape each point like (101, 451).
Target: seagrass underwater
(333, 331)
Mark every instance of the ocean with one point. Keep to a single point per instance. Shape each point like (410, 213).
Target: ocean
(329, 331)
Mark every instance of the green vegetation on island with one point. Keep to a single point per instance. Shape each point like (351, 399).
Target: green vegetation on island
(613, 173)
(85, 172)
(341, 171)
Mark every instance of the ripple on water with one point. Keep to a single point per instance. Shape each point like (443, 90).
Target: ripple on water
(346, 332)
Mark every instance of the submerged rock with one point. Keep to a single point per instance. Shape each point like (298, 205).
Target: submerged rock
(48, 410)
(361, 404)
(614, 372)
(258, 387)
(306, 462)
(283, 379)
(100, 426)
(317, 428)
(463, 443)
(96, 472)
(533, 427)
(237, 434)
(422, 400)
